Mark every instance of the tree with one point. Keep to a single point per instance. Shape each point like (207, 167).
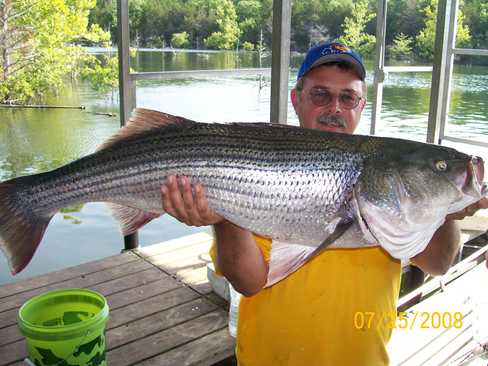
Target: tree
(426, 37)
(404, 16)
(254, 19)
(102, 72)
(401, 48)
(38, 45)
(476, 16)
(226, 18)
(105, 15)
(354, 29)
(179, 40)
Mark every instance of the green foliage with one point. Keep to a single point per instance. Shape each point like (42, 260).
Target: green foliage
(254, 19)
(248, 46)
(401, 49)
(221, 24)
(426, 38)
(105, 15)
(404, 16)
(226, 18)
(354, 34)
(180, 40)
(101, 71)
(476, 12)
(39, 43)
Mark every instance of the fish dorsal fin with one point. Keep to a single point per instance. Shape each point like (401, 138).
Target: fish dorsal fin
(143, 120)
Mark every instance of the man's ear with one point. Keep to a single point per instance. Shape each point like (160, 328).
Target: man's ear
(363, 103)
(295, 99)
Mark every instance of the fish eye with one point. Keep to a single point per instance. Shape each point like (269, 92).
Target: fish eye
(441, 165)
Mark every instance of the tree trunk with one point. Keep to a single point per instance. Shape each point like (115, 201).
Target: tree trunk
(4, 11)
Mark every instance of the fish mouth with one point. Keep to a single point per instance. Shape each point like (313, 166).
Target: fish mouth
(479, 168)
(475, 176)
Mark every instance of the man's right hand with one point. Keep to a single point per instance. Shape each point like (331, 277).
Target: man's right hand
(187, 203)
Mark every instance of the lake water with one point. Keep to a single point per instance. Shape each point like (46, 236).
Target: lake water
(36, 140)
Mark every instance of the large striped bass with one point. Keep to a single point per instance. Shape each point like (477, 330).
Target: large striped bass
(287, 183)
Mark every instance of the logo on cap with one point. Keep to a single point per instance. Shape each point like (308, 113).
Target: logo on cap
(335, 48)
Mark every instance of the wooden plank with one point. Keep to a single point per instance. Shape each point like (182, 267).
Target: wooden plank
(83, 281)
(134, 280)
(10, 334)
(12, 352)
(143, 292)
(478, 223)
(160, 342)
(207, 350)
(196, 278)
(66, 274)
(8, 317)
(175, 267)
(173, 258)
(428, 344)
(188, 266)
(446, 353)
(175, 244)
(436, 344)
(150, 306)
(136, 297)
(161, 321)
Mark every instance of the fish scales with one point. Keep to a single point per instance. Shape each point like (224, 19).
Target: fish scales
(109, 175)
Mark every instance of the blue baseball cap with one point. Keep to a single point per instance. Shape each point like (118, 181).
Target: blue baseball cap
(331, 52)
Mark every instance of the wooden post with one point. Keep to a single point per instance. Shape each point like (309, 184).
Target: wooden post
(126, 98)
(379, 70)
(442, 69)
(280, 60)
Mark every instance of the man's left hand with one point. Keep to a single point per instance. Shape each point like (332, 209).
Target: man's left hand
(470, 210)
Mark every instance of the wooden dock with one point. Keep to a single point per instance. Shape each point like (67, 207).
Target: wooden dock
(452, 320)
(444, 328)
(162, 308)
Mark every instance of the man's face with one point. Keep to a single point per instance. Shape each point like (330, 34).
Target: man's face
(333, 117)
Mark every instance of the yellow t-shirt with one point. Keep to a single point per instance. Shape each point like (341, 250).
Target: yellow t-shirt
(338, 309)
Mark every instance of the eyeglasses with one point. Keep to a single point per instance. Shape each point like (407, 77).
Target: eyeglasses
(322, 97)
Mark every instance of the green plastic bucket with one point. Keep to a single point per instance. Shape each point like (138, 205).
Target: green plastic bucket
(65, 327)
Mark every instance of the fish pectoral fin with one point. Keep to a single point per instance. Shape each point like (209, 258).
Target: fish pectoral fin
(286, 258)
(143, 120)
(339, 230)
(131, 219)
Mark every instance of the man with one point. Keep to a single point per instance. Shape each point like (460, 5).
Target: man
(338, 308)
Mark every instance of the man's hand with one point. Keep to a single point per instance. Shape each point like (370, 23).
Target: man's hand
(186, 203)
(238, 255)
(470, 210)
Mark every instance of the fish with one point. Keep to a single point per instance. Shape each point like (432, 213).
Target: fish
(291, 184)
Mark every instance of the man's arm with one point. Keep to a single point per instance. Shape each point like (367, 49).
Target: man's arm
(238, 256)
(442, 249)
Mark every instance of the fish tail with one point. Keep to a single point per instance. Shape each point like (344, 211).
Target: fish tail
(21, 230)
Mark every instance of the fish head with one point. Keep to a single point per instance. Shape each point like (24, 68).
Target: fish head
(402, 197)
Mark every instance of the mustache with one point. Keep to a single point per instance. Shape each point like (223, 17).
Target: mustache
(332, 120)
